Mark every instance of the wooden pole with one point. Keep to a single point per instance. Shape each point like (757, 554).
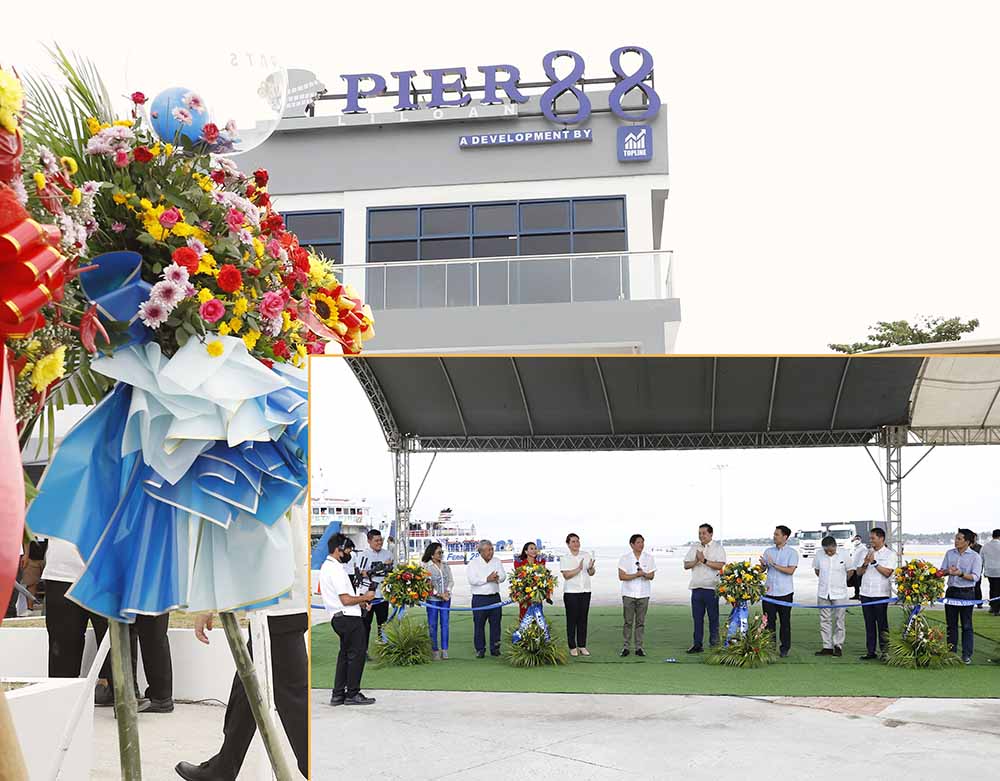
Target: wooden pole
(262, 715)
(12, 765)
(126, 708)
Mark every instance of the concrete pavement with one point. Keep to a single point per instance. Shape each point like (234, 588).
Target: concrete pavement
(485, 736)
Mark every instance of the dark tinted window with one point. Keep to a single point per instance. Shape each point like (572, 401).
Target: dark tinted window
(598, 214)
(494, 247)
(496, 219)
(334, 252)
(443, 249)
(321, 226)
(599, 242)
(545, 245)
(550, 215)
(385, 251)
(451, 220)
(392, 222)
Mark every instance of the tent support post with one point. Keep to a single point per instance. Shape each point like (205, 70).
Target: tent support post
(402, 469)
(895, 440)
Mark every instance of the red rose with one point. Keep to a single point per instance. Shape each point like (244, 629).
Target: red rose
(186, 257)
(274, 222)
(263, 200)
(253, 271)
(251, 190)
(142, 154)
(230, 279)
(260, 176)
(218, 176)
(266, 362)
(210, 132)
(281, 349)
(138, 98)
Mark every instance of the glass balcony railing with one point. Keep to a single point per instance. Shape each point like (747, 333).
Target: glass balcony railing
(524, 279)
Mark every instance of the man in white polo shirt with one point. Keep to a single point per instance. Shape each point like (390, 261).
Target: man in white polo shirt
(833, 567)
(876, 567)
(705, 560)
(635, 571)
(485, 574)
(343, 605)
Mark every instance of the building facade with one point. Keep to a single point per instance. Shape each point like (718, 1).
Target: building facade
(521, 225)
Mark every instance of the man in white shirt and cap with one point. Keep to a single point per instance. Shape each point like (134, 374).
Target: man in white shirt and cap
(485, 574)
(833, 567)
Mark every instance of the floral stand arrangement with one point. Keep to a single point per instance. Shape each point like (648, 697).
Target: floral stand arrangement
(531, 642)
(918, 644)
(143, 273)
(749, 642)
(405, 641)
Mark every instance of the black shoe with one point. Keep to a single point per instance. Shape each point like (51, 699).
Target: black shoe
(337, 699)
(359, 699)
(639, 652)
(783, 654)
(824, 652)
(695, 649)
(624, 652)
(838, 651)
(480, 654)
(966, 660)
(196, 772)
(868, 657)
(495, 652)
(104, 696)
(159, 706)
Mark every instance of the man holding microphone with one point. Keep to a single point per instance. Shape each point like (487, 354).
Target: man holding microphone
(876, 570)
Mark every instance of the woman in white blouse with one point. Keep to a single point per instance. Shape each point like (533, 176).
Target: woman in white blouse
(443, 582)
(577, 569)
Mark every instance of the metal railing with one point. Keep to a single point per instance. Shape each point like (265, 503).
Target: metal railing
(522, 279)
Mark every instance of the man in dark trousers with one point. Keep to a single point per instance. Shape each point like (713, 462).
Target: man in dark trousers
(287, 624)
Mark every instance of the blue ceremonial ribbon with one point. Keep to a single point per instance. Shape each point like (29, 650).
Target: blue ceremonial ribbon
(117, 288)
(494, 606)
(398, 612)
(737, 621)
(533, 615)
(913, 614)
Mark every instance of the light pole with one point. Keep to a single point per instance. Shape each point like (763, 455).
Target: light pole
(719, 468)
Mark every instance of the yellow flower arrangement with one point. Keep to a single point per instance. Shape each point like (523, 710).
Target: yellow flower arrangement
(11, 101)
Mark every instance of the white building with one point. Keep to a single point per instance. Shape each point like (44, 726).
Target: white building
(487, 227)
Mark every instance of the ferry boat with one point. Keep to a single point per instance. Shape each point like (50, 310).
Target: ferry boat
(459, 541)
(353, 516)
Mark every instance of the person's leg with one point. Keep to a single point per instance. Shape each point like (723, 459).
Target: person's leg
(883, 628)
(290, 674)
(155, 644)
(100, 625)
(698, 616)
(340, 674)
(570, 602)
(968, 637)
(771, 613)
(433, 616)
(951, 617)
(355, 655)
(445, 621)
(825, 623)
(871, 627)
(238, 729)
(786, 625)
(479, 623)
(367, 616)
(712, 605)
(495, 617)
(839, 624)
(994, 595)
(66, 625)
(628, 611)
(381, 612)
(642, 605)
(581, 620)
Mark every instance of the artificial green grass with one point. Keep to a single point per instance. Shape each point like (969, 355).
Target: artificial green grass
(668, 635)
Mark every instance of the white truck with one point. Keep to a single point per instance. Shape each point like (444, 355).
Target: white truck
(843, 533)
(809, 541)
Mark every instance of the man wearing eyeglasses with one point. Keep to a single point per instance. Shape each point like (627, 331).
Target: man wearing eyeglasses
(635, 571)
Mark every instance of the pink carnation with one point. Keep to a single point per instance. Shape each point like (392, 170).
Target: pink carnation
(235, 220)
(170, 218)
(212, 310)
(271, 305)
(121, 158)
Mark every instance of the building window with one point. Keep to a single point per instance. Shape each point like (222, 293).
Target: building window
(321, 230)
(566, 226)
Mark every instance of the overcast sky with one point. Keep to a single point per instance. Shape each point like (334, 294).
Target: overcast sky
(831, 165)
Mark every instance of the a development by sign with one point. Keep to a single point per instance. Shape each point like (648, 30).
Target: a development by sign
(527, 137)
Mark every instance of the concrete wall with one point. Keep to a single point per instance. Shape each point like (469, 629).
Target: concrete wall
(40, 713)
(605, 326)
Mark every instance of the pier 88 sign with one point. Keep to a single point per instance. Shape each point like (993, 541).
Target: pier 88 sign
(501, 85)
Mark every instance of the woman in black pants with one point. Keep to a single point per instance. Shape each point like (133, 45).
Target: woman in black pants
(577, 569)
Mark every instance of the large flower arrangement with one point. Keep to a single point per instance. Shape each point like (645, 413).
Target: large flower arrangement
(918, 582)
(407, 585)
(531, 584)
(752, 648)
(741, 582)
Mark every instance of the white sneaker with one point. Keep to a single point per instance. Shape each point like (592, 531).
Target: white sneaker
(435, 655)
(444, 654)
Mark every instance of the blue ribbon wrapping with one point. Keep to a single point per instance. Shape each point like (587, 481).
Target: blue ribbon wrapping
(132, 528)
(533, 615)
(117, 287)
(738, 619)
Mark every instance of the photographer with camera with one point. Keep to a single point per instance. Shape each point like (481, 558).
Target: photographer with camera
(343, 605)
(374, 564)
